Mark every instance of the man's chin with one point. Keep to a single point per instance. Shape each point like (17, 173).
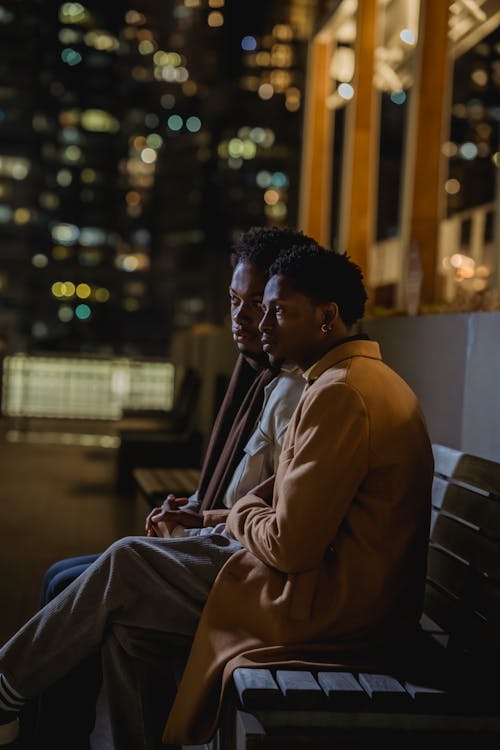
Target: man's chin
(249, 350)
(275, 361)
(256, 356)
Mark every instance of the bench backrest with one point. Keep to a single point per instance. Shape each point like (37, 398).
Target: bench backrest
(463, 575)
(185, 401)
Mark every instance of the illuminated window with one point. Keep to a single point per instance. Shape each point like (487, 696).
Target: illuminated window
(99, 121)
(215, 19)
(475, 116)
(393, 77)
(73, 13)
(82, 387)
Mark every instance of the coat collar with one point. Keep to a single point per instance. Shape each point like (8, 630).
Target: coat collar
(353, 348)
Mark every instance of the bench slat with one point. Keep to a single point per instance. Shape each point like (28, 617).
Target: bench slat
(464, 467)
(300, 689)
(487, 602)
(479, 472)
(445, 459)
(469, 630)
(343, 691)
(449, 573)
(439, 489)
(480, 510)
(386, 692)
(469, 544)
(156, 483)
(428, 699)
(444, 609)
(429, 626)
(476, 592)
(256, 687)
(281, 721)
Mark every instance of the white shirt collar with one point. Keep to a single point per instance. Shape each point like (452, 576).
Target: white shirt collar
(307, 372)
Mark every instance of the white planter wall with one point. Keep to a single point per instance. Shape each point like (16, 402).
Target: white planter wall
(452, 362)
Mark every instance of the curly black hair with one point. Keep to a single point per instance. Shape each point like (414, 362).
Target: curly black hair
(325, 276)
(260, 246)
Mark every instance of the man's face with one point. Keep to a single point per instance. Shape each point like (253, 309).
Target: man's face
(291, 325)
(245, 296)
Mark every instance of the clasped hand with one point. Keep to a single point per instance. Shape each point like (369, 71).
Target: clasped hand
(162, 520)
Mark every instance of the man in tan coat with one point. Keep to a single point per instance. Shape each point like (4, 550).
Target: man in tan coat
(335, 569)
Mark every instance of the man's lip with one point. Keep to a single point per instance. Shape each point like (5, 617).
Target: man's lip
(243, 335)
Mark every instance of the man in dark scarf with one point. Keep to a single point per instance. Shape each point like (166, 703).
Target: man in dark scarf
(243, 400)
(238, 414)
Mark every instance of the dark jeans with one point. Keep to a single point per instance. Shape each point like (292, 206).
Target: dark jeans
(61, 574)
(66, 713)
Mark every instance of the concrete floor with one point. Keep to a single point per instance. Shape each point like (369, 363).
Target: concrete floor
(56, 500)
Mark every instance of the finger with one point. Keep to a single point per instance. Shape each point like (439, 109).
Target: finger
(164, 530)
(169, 502)
(179, 502)
(166, 517)
(149, 516)
(161, 515)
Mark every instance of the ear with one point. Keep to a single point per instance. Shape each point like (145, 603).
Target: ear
(330, 314)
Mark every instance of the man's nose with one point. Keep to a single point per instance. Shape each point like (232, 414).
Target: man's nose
(241, 312)
(264, 322)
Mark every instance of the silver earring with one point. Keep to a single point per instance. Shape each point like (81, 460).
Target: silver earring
(325, 328)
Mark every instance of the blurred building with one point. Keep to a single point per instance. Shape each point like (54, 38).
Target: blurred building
(400, 168)
(138, 141)
(401, 157)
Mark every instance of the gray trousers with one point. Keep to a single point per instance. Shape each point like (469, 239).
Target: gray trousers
(133, 602)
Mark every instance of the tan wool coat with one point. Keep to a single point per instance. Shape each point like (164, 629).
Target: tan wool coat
(336, 566)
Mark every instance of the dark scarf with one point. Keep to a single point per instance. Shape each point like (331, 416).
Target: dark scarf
(233, 426)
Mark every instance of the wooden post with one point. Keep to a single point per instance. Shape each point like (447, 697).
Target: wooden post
(315, 184)
(359, 175)
(432, 91)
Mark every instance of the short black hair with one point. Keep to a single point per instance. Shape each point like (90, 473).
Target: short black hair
(260, 246)
(325, 276)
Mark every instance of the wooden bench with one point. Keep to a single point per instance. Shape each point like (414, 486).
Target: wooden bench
(267, 709)
(176, 420)
(151, 438)
(152, 449)
(153, 484)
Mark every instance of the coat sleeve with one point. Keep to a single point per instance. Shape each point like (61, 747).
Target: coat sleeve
(317, 481)
(215, 516)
